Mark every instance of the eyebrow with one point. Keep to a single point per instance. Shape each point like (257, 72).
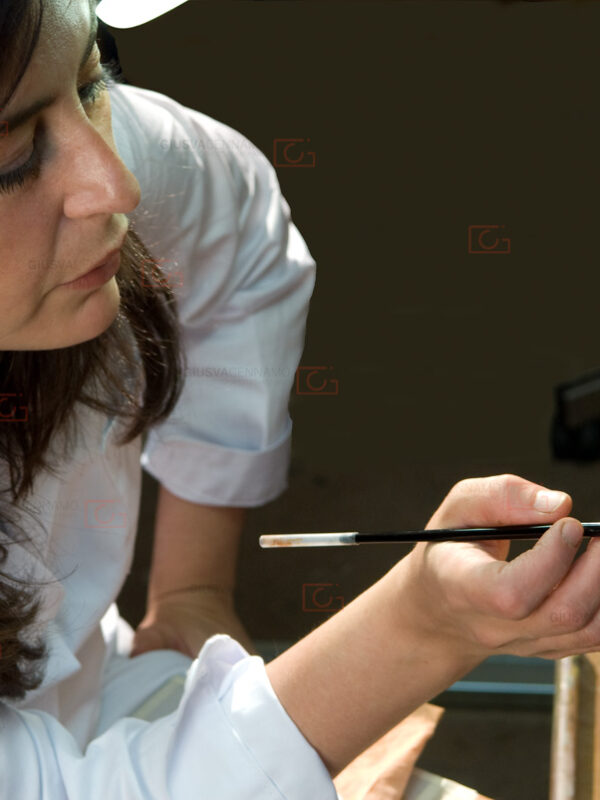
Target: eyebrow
(21, 117)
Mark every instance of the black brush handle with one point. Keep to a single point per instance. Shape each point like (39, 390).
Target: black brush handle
(466, 534)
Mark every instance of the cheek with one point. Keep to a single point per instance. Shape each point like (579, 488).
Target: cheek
(26, 268)
(19, 309)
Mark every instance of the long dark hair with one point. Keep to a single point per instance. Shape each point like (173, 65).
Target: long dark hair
(137, 357)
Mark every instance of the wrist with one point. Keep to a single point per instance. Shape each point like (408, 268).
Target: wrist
(195, 545)
(202, 593)
(424, 611)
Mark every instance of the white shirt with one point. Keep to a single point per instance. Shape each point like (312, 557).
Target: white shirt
(215, 213)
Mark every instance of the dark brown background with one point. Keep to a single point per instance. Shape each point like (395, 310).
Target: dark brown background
(425, 118)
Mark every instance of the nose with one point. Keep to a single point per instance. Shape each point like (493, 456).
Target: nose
(95, 179)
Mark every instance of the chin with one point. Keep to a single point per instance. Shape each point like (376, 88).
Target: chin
(70, 324)
(93, 316)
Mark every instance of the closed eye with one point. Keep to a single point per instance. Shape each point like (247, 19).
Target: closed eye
(89, 93)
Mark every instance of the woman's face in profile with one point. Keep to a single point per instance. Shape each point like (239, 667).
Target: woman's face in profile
(69, 212)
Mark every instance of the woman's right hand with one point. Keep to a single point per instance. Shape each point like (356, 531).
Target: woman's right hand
(437, 614)
(539, 604)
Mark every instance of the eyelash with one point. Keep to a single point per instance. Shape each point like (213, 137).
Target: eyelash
(88, 94)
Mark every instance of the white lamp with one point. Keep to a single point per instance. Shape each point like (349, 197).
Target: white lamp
(129, 13)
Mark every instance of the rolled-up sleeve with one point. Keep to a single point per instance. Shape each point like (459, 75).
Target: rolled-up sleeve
(213, 214)
(229, 739)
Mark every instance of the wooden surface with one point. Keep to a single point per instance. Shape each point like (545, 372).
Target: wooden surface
(575, 763)
(588, 730)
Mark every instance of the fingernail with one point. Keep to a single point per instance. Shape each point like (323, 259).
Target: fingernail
(548, 501)
(571, 533)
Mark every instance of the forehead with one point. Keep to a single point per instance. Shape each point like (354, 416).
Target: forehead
(64, 30)
(65, 26)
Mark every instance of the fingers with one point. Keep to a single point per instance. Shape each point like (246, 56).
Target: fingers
(499, 500)
(540, 603)
(524, 583)
(570, 617)
(513, 590)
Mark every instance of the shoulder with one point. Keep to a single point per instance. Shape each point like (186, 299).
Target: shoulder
(157, 137)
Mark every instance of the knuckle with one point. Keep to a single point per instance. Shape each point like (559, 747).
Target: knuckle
(510, 485)
(489, 497)
(502, 490)
(509, 479)
(509, 602)
(461, 487)
(501, 483)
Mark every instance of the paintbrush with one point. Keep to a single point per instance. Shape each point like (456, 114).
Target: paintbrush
(409, 537)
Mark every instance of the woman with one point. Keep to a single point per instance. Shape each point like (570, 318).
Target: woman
(70, 354)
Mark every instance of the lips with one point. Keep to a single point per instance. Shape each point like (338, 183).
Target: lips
(98, 276)
(100, 263)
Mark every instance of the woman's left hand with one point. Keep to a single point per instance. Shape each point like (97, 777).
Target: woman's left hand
(184, 620)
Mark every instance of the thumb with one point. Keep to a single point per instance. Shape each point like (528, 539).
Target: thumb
(530, 577)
